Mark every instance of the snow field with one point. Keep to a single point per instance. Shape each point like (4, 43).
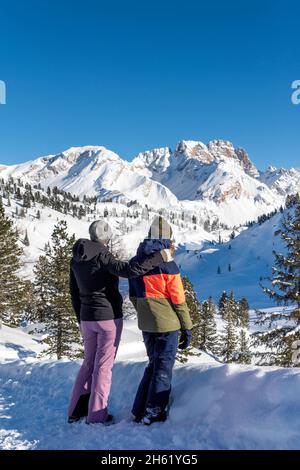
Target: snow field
(215, 406)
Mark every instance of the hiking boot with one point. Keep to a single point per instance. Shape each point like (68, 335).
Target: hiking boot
(109, 420)
(154, 416)
(137, 419)
(74, 419)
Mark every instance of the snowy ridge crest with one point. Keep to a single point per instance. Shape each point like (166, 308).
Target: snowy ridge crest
(216, 177)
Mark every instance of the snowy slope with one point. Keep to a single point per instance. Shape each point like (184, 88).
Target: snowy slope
(250, 257)
(215, 406)
(39, 230)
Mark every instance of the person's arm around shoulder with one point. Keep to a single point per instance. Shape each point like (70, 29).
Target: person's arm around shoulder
(137, 266)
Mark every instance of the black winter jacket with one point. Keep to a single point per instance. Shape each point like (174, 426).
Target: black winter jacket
(94, 282)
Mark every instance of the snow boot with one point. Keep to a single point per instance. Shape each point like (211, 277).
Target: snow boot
(73, 419)
(137, 419)
(153, 415)
(109, 420)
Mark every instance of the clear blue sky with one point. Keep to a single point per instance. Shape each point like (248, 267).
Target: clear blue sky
(133, 75)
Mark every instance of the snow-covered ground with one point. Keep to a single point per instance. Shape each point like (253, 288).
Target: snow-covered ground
(249, 257)
(215, 406)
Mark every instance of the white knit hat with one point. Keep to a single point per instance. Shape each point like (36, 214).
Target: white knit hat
(100, 231)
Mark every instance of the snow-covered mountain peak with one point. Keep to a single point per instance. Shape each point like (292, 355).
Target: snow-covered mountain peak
(87, 153)
(282, 181)
(214, 151)
(272, 169)
(193, 149)
(216, 177)
(246, 163)
(221, 148)
(63, 169)
(93, 171)
(156, 160)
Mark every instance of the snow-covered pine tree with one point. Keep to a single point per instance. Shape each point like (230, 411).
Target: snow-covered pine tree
(283, 327)
(223, 304)
(228, 339)
(61, 324)
(233, 308)
(26, 239)
(195, 314)
(243, 353)
(29, 311)
(41, 283)
(27, 199)
(208, 328)
(12, 288)
(228, 306)
(243, 308)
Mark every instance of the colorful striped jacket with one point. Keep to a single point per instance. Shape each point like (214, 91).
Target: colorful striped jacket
(158, 296)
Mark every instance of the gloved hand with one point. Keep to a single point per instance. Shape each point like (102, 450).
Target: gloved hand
(167, 255)
(185, 339)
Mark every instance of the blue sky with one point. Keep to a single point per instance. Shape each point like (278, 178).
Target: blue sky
(133, 75)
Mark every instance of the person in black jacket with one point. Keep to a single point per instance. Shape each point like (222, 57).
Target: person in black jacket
(97, 302)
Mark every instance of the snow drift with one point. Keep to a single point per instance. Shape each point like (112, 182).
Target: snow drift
(215, 406)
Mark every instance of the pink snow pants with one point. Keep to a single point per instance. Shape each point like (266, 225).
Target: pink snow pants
(101, 342)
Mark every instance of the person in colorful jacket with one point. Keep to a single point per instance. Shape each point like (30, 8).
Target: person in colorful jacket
(164, 319)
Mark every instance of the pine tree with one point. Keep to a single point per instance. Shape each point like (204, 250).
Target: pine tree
(194, 307)
(18, 195)
(26, 239)
(285, 282)
(283, 327)
(244, 353)
(223, 303)
(51, 283)
(243, 307)
(42, 282)
(208, 328)
(27, 200)
(29, 311)
(12, 288)
(229, 306)
(229, 339)
(233, 309)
